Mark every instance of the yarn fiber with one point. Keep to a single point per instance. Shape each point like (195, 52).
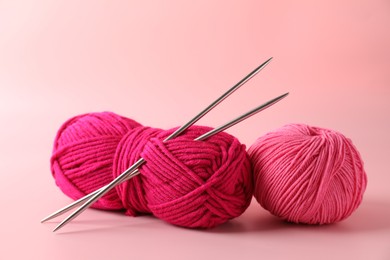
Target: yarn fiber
(306, 174)
(196, 184)
(83, 153)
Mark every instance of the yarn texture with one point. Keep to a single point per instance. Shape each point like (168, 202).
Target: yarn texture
(306, 174)
(196, 184)
(83, 152)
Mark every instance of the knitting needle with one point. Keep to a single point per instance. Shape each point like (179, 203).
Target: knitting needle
(241, 118)
(176, 133)
(135, 171)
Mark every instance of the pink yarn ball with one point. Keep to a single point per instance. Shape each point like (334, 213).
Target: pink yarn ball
(83, 153)
(185, 182)
(197, 184)
(307, 174)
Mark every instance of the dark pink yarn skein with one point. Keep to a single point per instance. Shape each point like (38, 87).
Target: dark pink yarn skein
(83, 153)
(196, 184)
(307, 174)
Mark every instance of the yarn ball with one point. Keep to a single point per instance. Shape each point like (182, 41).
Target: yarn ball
(196, 184)
(83, 152)
(306, 174)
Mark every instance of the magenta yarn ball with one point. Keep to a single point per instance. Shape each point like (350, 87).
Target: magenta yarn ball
(196, 184)
(306, 174)
(83, 153)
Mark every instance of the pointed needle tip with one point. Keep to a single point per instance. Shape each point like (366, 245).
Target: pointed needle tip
(57, 228)
(48, 217)
(268, 61)
(61, 225)
(280, 97)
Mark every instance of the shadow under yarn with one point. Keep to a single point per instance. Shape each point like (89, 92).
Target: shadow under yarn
(372, 215)
(252, 220)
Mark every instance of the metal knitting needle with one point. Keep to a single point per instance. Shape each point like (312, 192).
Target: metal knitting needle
(200, 138)
(241, 118)
(176, 133)
(81, 200)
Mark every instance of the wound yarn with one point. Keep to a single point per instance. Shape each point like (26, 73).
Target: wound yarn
(83, 153)
(306, 174)
(196, 184)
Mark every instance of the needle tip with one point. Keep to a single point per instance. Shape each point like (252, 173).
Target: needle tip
(269, 60)
(54, 230)
(61, 225)
(283, 96)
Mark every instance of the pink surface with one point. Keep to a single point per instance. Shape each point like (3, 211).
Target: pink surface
(59, 59)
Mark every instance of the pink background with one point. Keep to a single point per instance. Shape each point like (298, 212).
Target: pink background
(160, 63)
